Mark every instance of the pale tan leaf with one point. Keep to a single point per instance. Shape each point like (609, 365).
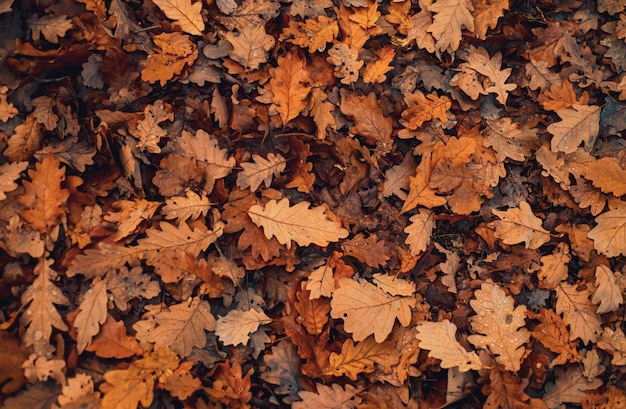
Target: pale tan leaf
(554, 267)
(192, 206)
(38, 368)
(502, 327)
(366, 309)
(580, 124)
(440, 339)
(98, 261)
(79, 390)
(251, 46)
(346, 62)
(297, 223)
(450, 16)
(608, 294)
(182, 237)
(578, 313)
(182, 326)
(7, 109)
(321, 282)
(607, 175)
(92, 312)
(127, 215)
(19, 239)
(186, 15)
(393, 285)
(518, 225)
(614, 342)
(41, 314)
(397, 178)
(260, 171)
(609, 235)
(9, 172)
(479, 61)
(148, 130)
(420, 230)
(235, 327)
(329, 397)
(204, 148)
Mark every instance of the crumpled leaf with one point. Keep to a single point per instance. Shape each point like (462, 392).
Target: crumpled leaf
(41, 369)
(440, 339)
(297, 223)
(251, 46)
(49, 27)
(502, 328)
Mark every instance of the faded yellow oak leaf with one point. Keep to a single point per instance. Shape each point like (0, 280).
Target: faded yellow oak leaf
(439, 338)
(362, 357)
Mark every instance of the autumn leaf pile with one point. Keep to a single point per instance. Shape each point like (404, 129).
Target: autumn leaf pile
(312, 204)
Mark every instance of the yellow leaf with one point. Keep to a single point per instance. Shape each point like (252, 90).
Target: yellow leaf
(367, 309)
(440, 339)
(92, 313)
(44, 198)
(362, 357)
(185, 14)
(502, 327)
(297, 223)
(519, 224)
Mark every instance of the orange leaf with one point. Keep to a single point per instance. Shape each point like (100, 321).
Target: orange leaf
(44, 198)
(375, 71)
(289, 86)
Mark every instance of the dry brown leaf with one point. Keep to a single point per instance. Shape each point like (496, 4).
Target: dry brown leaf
(608, 294)
(367, 309)
(186, 14)
(236, 327)
(44, 199)
(578, 125)
(313, 311)
(289, 86)
(450, 17)
(296, 223)
(260, 171)
(553, 334)
(374, 72)
(420, 231)
(312, 33)
(440, 339)
(609, 235)
(346, 62)
(92, 312)
(362, 357)
(578, 313)
(113, 341)
(250, 46)
(502, 327)
(518, 225)
(554, 267)
(333, 396)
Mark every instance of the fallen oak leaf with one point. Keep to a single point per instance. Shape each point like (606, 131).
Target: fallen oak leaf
(440, 339)
(297, 223)
(519, 224)
(187, 15)
(235, 327)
